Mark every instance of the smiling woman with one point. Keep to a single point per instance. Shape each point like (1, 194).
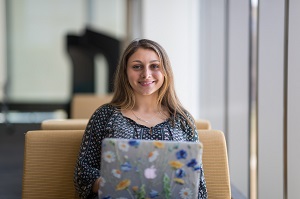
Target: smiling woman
(144, 106)
(32, 23)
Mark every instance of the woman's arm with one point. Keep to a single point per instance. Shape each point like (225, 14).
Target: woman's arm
(87, 169)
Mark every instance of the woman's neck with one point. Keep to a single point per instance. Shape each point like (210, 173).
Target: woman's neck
(146, 104)
(146, 111)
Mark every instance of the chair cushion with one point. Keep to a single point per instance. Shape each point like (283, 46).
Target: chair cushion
(49, 162)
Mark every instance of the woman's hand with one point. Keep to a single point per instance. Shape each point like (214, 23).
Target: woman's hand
(96, 185)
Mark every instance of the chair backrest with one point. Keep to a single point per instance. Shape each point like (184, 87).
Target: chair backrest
(50, 157)
(203, 124)
(215, 164)
(84, 105)
(49, 161)
(80, 124)
(64, 124)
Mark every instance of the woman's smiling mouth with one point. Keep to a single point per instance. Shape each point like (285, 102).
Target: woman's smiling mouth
(146, 83)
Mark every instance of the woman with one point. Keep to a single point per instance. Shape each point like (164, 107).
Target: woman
(144, 106)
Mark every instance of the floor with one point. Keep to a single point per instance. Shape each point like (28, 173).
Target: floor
(11, 160)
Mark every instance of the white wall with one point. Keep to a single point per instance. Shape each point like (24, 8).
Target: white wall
(293, 101)
(270, 99)
(39, 65)
(213, 86)
(108, 17)
(212, 63)
(175, 25)
(238, 94)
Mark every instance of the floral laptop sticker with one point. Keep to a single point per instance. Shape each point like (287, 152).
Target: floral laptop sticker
(141, 169)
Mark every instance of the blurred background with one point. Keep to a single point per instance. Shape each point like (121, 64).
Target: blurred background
(235, 62)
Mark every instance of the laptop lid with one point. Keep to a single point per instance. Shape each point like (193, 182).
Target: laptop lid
(149, 169)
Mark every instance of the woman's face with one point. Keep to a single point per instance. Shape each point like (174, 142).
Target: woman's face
(144, 72)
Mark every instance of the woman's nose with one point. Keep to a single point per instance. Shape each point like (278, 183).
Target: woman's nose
(146, 73)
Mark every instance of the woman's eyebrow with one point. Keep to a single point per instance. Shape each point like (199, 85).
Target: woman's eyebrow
(142, 62)
(154, 61)
(137, 61)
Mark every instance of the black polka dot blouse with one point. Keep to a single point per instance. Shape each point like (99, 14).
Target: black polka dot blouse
(108, 121)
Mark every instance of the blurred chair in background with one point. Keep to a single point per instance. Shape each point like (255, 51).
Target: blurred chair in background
(84, 105)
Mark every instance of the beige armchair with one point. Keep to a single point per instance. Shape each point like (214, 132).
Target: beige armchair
(50, 157)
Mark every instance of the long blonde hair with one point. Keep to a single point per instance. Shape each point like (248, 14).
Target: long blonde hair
(123, 93)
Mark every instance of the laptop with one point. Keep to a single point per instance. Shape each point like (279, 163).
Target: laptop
(132, 168)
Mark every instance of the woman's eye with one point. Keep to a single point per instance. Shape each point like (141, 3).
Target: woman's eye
(137, 67)
(155, 66)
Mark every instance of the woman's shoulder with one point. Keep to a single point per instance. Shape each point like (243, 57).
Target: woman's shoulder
(104, 109)
(184, 116)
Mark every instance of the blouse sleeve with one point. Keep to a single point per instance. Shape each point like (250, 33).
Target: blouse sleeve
(87, 168)
(192, 135)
